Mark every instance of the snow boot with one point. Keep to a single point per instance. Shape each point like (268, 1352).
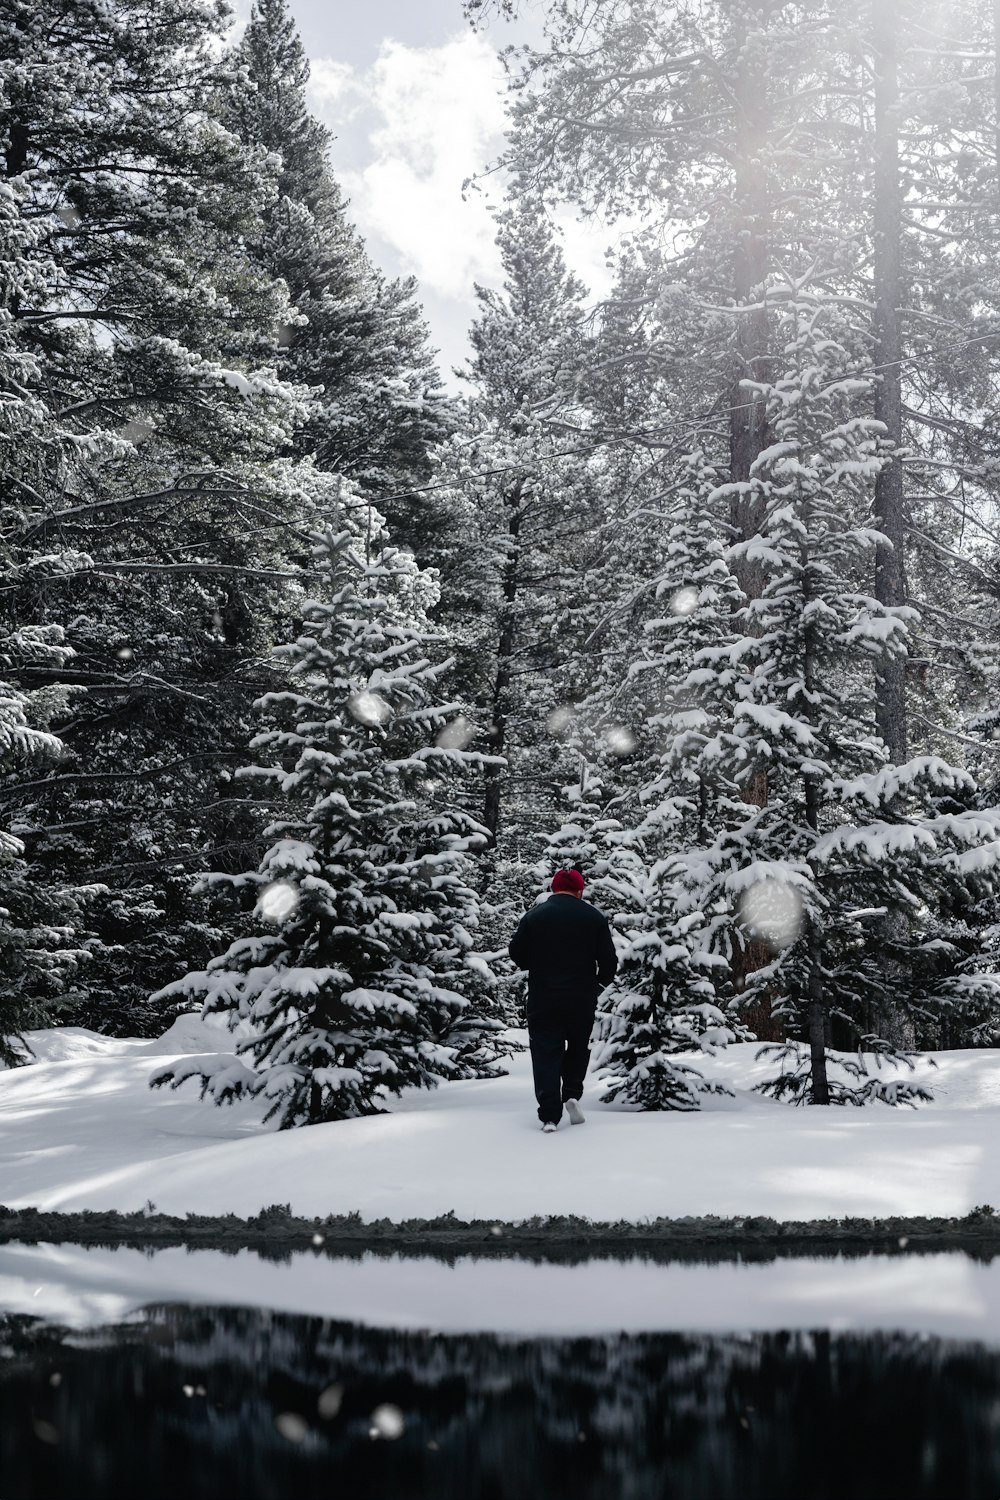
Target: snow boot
(576, 1115)
(548, 1127)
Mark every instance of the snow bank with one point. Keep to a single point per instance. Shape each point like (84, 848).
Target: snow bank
(80, 1128)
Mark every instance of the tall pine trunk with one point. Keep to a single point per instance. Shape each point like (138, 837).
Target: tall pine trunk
(819, 1092)
(817, 1013)
(890, 584)
(500, 698)
(996, 83)
(890, 555)
(747, 416)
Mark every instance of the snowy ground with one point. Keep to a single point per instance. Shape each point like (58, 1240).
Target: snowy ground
(80, 1128)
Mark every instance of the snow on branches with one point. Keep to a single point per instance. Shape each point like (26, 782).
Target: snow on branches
(364, 979)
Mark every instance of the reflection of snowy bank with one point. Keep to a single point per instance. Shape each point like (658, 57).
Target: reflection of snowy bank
(947, 1294)
(80, 1128)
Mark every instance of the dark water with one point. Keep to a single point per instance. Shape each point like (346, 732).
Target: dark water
(219, 1402)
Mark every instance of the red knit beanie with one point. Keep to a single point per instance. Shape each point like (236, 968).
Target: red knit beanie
(568, 880)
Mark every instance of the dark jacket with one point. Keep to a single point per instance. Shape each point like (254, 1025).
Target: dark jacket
(567, 949)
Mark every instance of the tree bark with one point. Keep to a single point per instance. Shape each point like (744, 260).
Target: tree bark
(818, 1015)
(890, 556)
(890, 581)
(819, 1092)
(996, 80)
(17, 149)
(505, 652)
(16, 161)
(17, 134)
(747, 416)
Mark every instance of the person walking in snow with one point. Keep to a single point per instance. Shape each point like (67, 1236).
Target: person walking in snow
(566, 946)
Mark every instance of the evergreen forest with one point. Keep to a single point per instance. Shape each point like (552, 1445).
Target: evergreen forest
(316, 664)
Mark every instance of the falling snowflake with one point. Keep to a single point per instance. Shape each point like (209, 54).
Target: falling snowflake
(559, 720)
(329, 1401)
(684, 602)
(293, 1428)
(772, 910)
(619, 739)
(125, 654)
(387, 1422)
(285, 335)
(369, 709)
(278, 901)
(69, 215)
(456, 735)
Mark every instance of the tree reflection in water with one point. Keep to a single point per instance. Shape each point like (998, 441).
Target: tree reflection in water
(192, 1402)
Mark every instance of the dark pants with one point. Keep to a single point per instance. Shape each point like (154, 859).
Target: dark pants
(560, 1051)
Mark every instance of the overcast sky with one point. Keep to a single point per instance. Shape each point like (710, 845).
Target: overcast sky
(416, 101)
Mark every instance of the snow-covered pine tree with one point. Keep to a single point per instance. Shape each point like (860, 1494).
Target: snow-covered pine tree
(843, 836)
(357, 339)
(577, 844)
(661, 1002)
(685, 117)
(139, 514)
(669, 993)
(911, 230)
(532, 503)
(848, 156)
(149, 312)
(364, 979)
(40, 948)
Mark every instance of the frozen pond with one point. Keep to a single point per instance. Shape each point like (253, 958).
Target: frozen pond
(125, 1373)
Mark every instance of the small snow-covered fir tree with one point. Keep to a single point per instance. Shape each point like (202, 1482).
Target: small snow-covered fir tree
(578, 842)
(364, 978)
(663, 999)
(661, 1002)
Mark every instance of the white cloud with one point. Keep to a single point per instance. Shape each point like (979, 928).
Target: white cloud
(335, 89)
(410, 129)
(439, 117)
